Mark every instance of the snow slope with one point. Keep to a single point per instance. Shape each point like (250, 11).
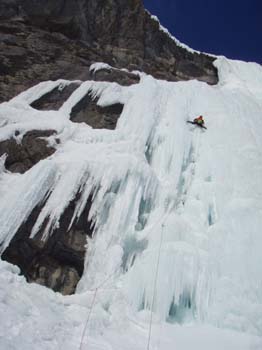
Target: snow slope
(177, 214)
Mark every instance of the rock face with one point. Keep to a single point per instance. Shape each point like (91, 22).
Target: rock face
(58, 262)
(43, 40)
(116, 75)
(23, 156)
(49, 40)
(87, 111)
(54, 99)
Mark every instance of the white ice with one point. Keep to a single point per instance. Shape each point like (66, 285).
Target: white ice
(159, 186)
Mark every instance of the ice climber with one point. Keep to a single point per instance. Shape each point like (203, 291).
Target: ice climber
(198, 121)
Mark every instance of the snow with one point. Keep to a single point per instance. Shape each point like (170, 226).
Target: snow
(40, 90)
(159, 186)
(97, 66)
(37, 318)
(165, 30)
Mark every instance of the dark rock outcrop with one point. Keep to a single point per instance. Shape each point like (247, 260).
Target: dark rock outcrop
(116, 75)
(37, 55)
(45, 40)
(23, 156)
(54, 99)
(57, 262)
(87, 111)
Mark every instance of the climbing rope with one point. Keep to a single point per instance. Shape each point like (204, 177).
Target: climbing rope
(92, 306)
(107, 279)
(88, 318)
(154, 290)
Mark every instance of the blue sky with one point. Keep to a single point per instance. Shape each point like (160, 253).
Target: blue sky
(225, 27)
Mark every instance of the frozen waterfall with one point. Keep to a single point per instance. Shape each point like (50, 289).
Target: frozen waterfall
(154, 176)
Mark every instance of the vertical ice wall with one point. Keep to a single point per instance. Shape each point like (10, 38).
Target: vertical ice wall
(156, 177)
(208, 203)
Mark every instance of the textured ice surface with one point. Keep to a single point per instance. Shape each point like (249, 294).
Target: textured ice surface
(153, 176)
